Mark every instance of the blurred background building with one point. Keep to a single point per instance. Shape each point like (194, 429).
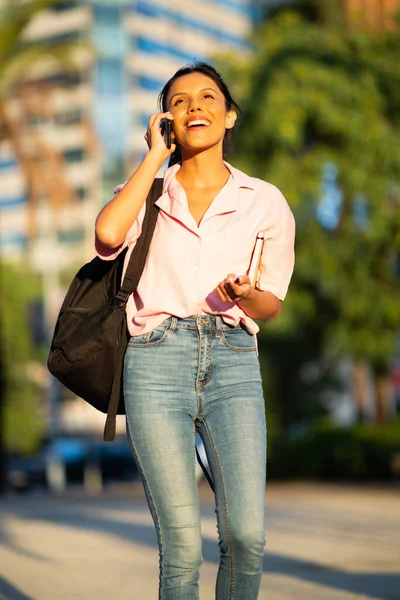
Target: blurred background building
(373, 14)
(54, 137)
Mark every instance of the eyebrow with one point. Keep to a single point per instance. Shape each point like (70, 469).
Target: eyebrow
(202, 90)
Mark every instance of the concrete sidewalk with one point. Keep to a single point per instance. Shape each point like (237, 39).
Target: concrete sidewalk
(323, 542)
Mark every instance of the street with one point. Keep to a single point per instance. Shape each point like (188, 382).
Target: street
(323, 542)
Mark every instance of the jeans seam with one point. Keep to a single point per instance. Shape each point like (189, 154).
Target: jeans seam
(198, 386)
(149, 344)
(225, 512)
(236, 348)
(150, 496)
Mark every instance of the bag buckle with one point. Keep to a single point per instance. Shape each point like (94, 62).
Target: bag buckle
(121, 298)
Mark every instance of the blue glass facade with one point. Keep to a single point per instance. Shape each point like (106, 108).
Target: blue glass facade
(112, 118)
(191, 23)
(156, 47)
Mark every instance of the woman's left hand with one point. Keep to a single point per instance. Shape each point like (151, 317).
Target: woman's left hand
(234, 288)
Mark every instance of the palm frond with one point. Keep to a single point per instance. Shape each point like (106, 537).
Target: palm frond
(15, 16)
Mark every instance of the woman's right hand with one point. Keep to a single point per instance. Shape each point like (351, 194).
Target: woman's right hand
(155, 139)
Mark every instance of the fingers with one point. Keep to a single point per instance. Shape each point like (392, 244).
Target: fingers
(154, 132)
(233, 288)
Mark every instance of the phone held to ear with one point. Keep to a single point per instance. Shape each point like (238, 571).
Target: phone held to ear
(166, 128)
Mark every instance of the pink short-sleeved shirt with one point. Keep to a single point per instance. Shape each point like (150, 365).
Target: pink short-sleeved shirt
(186, 262)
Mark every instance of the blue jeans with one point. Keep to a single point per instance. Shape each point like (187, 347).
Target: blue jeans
(200, 374)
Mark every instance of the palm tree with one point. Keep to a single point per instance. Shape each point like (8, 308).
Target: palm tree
(34, 154)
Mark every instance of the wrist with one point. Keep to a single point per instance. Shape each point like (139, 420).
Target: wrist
(154, 158)
(247, 297)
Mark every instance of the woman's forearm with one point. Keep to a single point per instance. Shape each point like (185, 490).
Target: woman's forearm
(115, 219)
(260, 305)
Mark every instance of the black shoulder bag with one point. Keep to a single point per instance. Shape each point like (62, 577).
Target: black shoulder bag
(91, 335)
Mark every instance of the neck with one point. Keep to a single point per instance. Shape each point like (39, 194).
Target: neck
(204, 169)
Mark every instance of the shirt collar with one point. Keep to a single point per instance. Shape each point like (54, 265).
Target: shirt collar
(171, 201)
(240, 179)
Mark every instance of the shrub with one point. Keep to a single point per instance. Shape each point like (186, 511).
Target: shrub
(361, 453)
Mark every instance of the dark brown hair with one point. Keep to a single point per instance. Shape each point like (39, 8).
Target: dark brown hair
(206, 69)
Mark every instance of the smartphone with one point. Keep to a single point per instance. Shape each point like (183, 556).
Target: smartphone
(166, 128)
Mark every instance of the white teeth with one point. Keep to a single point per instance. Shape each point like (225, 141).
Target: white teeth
(199, 122)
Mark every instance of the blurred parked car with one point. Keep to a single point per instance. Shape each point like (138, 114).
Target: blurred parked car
(25, 472)
(69, 460)
(113, 460)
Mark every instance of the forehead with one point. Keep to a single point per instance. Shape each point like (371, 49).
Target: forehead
(192, 82)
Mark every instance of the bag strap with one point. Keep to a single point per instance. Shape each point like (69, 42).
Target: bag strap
(131, 279)
(139, 255)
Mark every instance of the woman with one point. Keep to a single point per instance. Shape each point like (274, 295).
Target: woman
(192, 361)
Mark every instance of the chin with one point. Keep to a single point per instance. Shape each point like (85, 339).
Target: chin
(200, 146)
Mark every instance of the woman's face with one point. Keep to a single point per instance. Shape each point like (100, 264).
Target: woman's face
(200, 115)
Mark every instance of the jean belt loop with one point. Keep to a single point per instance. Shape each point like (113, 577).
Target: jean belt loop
(218, 322)
(174, 322)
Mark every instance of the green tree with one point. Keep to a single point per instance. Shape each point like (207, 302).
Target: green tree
(23, 361)
(17, 57)
(319, 101)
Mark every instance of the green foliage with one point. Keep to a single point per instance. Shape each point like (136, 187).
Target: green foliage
(24, 422)
(315, 96)
(364, 452)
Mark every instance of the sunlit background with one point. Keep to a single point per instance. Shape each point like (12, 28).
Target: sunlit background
(319, 87)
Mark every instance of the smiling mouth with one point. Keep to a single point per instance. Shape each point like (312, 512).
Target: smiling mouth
(198, 124)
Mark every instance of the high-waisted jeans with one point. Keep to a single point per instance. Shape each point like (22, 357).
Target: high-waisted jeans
(200, 374)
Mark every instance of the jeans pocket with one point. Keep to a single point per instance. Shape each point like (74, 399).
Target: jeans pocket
(152, 338)
(239, 339)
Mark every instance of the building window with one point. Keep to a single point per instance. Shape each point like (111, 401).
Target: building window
(150, 10)
(155, 47)
(8, 163)
(81, 192)
(107, 15)
(148, 83)
(67, 36)
(12, 202)
(70, 117)
(66, 79)
(13, 241)
(75, 155)
(70, 236)
(66, 5)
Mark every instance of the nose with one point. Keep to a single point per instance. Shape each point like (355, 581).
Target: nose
(193, 106)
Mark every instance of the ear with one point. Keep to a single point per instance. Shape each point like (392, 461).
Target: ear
(230, 118)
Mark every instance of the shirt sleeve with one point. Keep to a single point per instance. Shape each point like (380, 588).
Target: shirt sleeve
(132, 236)
(277, 259)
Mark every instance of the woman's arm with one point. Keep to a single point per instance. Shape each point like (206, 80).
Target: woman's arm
(260, 305)
(115, 219)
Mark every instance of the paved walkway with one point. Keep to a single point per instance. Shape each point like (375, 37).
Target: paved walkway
(323, 543)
